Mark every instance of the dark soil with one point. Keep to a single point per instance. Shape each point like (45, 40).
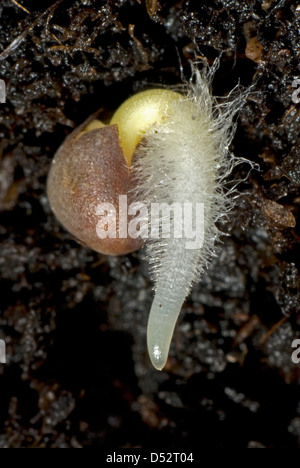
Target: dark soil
(77, 372)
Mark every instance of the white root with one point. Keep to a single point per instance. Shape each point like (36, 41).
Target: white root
(185, 159)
